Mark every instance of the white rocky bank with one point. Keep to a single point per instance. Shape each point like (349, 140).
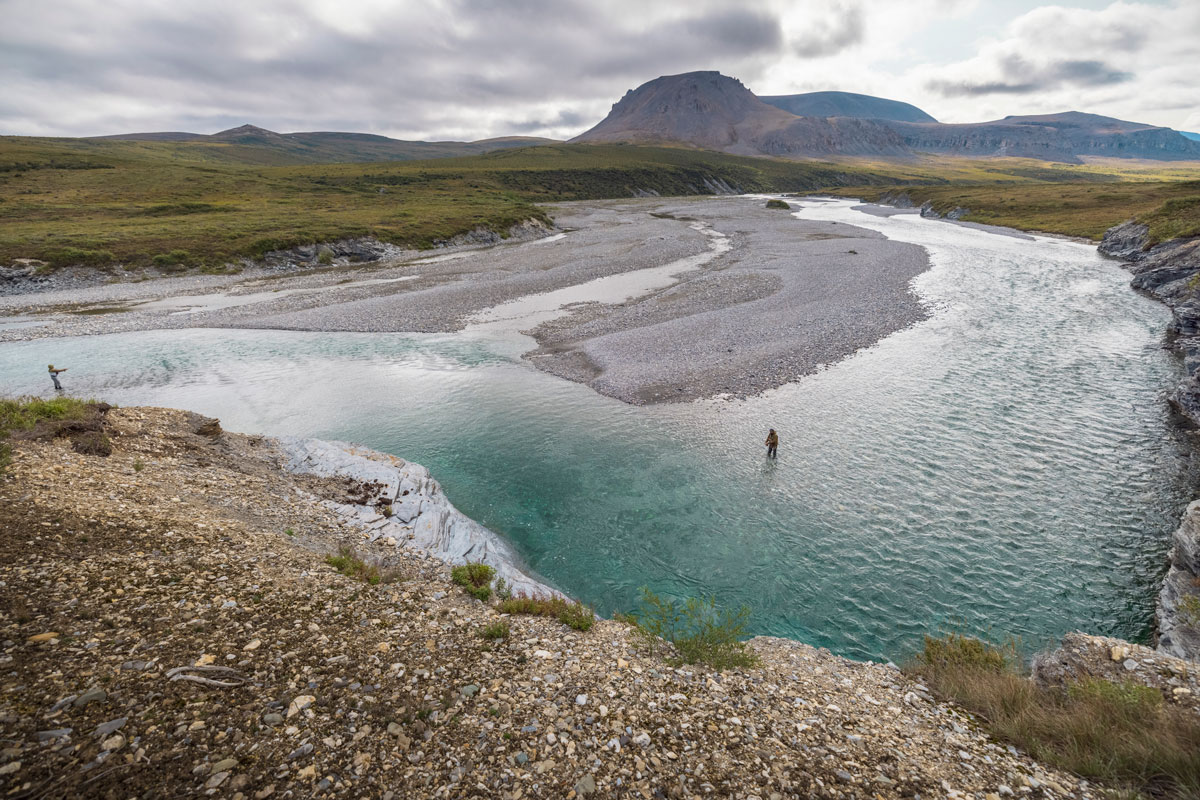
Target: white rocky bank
(422, 516)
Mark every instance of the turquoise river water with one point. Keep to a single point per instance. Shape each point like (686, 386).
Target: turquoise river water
(1006, 466)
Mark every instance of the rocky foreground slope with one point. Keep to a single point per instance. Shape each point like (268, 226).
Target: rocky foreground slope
(171, 628)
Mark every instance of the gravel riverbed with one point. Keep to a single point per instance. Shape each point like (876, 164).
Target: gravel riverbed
(769, 298)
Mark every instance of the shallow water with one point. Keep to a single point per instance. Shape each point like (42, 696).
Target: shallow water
(1006, 465)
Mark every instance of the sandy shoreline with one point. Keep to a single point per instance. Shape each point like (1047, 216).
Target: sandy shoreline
(788, 297)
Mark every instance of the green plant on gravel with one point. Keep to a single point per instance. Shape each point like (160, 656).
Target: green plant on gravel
(694, 632)
(497, 630)
(574, 615)
(773, 203)
(1190, 606)
(503, 590)
(350, 564)
(1122, 734)
(24, 413)
(475, 578)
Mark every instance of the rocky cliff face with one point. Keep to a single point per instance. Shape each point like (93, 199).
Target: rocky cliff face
(1170, 272)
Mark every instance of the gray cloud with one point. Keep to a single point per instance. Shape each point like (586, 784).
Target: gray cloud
(448, 67)
(1018, 76)
(833, 34)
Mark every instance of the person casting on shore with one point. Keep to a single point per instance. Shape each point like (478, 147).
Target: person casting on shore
(772, 443)
(54, 376)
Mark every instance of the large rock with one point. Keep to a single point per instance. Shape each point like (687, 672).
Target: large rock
(1125, 241)
(1083, 657)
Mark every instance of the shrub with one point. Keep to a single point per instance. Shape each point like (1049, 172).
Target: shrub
(497, 630)
(77, 256)
(696, 632)
(956, 650)
(92, 443)
(350, 564)
(773, 203)
(573, 615)
(1120, 733)
(475, 578)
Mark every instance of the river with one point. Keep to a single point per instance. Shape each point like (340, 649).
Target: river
(1007, 466)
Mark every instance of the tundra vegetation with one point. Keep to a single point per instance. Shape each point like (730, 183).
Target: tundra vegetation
(202, 206)
(1123, 735)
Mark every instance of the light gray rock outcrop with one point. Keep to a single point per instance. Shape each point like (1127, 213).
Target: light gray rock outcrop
(1170, 272)
(1178, 609)
(422, 517)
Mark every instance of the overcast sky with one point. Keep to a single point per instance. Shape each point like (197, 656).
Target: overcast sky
(471, 69)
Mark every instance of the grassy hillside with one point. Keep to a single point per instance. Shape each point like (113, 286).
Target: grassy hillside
(198, 205)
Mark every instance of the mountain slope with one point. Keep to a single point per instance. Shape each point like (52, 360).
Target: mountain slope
(251, 144)
(1195, 137)
(847, 104)
(714, 112)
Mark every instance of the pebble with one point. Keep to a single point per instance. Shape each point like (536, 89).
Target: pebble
(111, 726)
(299, 704)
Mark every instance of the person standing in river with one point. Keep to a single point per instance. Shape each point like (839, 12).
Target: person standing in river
(54, 376)
(772, 443)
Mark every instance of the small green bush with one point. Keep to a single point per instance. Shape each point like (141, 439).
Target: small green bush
(773, 203)
(350, 564)
(696, 632)
(1190, 606)
(956, 650)
(475, 578)
(573, 615)
(497, 630)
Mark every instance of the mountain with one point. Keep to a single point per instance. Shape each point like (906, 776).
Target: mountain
(1066, 137)
(846, 104)
(252, 144)
(1193, 136)
(714, 112)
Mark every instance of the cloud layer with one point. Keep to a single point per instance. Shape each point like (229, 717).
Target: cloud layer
(468, 69)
